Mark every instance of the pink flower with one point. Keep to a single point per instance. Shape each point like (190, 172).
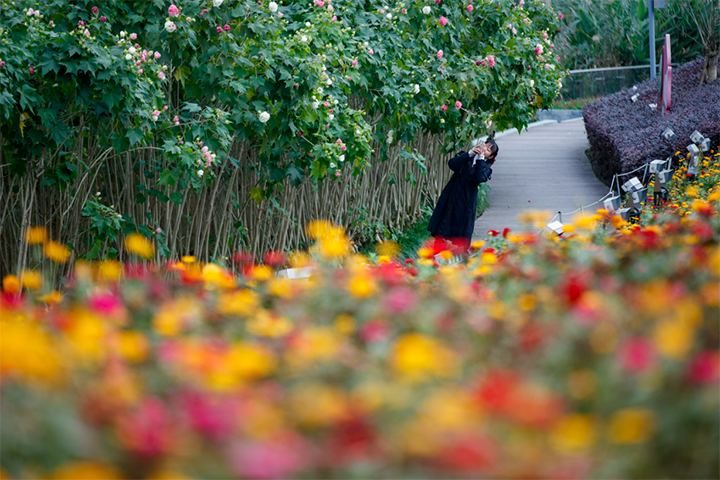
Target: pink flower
(478, 62)
(522, 2)
(343, 147)
(514, 31)
(158, 230)
(483, 62)
(106, 304)
(165, 108)
(354, 63)
(280, 15)
(161, 76)
(203, 12)
(339, 141)
(443, 21)
(334, 18)
(218, 29)
(705, 367)
(437, 2)
(545, 35)
(547, 66)
(140, 71)
(561, 16)
(326, 104)
(337, 174)
(552, 45)
(374, 331)
(81, 23)
(32, 71)
(157, 55)
(276, 458)
(2, 64)
(176, 119)
(155, 113)
(371, 51)
(538, 50)
(226, 28)
(525, 20)
(469, 8)
(491, 60)
(404, 11)
(137, 63)
(400, 300)
(173, 11)
(444, 108)
(440, 54)
(636, 355)
(86, 32)
(558, 59)
(102, 19)
(458, 104)
(94, 9)
(133, 36)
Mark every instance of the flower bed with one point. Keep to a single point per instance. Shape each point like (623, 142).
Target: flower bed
(591, 355)
(624, 134)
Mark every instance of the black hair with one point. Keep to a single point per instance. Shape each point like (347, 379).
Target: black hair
(493, 149)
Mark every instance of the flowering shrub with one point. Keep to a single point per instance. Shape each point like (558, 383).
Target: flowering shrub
(624, 134)
(594, 354)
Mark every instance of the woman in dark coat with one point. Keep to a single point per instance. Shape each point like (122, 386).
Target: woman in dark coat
(454, 215)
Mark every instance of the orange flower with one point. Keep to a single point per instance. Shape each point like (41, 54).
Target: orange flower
(139, 245)
(35, 235)
(11, 284)
(57, 252)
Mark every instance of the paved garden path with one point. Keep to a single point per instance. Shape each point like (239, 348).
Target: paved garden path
(544, 168)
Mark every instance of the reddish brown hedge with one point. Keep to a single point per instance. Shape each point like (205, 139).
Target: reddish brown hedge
(624, 134)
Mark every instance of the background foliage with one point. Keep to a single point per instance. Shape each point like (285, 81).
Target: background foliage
(100, 135)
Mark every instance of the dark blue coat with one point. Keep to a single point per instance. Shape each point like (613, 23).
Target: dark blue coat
(454, 215)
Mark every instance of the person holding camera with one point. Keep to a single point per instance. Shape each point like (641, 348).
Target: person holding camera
(454, 216)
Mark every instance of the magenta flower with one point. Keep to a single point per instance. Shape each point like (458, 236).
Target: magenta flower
(140, 71)
(444, 108)
(440, 54)
(159, 230)
(538, 50)
(32, 71)
(354, 63)
(81, 23)
(343, 147)
(458, 104)
(443, 21)
(522, 2)
(103, 19)
(469, 8)
(636, 355)
(157, 54)
(203, 12)
(334, 18)
(218, 29)
(173, 11)
(226, 28)
(491, 60)
(95, 9)
(561, 16)
(176, 119)
(404, 11)
(155, 113)
(133, 36)
(371, 51)
(161, 76)
(2, 64)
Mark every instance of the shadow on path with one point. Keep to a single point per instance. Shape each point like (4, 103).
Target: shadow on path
(544, 168)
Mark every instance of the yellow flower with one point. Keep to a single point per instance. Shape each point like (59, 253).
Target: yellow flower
(527, 302)
(478, 245)
(31, 279)
(673, 338)
(316, 405)
(334, 246)
(28, 350)
(241, 302)
(139, 245)
(35, 235)
(280, 287)
(109, 270)
(361, 286)
(215, 276)
(134, 345)
(266, 324)
(57, 252)
(86, 336)
(691, 191)
(568, 228)
(497, 310)
(250, 361)
(388, 249)
(631, 426)
(617, 222)
(446, 254)
(262, 272)
(174, 317)
(574, 432)
(11, 284)
(86, 471)
(383, 260)
(418, 356)
(425, 252)
(451, 410)
(51, 298)
(603, 338)
(318, 229)
(188, 259)
(488, 258)
(344, 324)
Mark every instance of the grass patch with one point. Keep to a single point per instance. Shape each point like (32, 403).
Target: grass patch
(576, 104)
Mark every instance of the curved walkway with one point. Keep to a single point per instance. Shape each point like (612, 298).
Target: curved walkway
(544, 168)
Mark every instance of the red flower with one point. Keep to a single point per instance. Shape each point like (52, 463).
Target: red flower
(496, 388)
(705, 367)
(636, 355)
(274, 259)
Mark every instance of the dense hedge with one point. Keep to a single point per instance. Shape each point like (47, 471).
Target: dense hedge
(624, 134)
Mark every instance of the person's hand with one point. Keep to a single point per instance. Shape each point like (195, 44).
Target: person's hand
(476, 150)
